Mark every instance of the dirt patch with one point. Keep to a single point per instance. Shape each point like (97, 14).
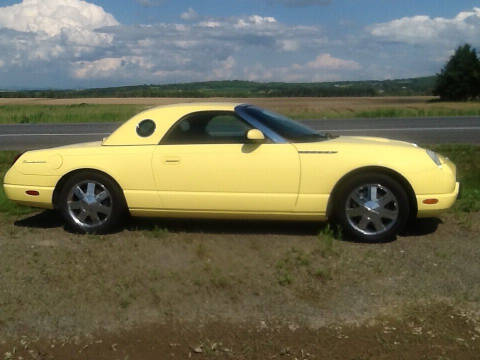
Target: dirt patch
(202, 271)
(439, 333)
(259, 289)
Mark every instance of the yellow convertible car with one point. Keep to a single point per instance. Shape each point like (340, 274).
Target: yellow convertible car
(234, 161)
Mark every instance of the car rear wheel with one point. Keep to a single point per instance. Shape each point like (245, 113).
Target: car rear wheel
(372, 207)
(92, 203)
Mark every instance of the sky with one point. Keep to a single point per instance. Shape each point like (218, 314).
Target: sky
(100, 43)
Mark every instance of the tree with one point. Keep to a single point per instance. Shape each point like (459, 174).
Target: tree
(459, 79)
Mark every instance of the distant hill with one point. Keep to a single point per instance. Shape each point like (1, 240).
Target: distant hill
(237, 88)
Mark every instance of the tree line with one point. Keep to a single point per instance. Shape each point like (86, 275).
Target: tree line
(237, 88)
(459, 80)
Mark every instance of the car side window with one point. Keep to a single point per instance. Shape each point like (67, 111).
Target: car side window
(208, 127)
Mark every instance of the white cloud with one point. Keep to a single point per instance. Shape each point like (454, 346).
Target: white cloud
(103, 68)
(51, 17)
(328, 62)
(224, 70)
(189, 15)
(421, 29)
(107, 67)
(208, 48)
(41, 40)
(43, 30)
(80, 41)
(324, 67)
(73, 43)
(289, 45)
(258, 72)
(210, 24)
(255, 21)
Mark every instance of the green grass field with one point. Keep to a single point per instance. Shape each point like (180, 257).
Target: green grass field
(299, 108)
(416, 112)
(466, 157)
(75, 113)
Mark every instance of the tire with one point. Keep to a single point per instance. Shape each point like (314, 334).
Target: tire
(91, 202)
(371, 207)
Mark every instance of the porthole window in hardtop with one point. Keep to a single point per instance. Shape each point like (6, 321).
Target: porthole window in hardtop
(208, 127)
(145, 128)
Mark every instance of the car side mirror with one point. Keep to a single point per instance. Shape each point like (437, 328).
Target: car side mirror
(255, 135)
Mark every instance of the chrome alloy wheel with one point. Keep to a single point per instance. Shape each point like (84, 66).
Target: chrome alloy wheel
(89, 204)
(372, 209)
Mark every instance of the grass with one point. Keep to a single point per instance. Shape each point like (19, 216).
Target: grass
(294, 261)
(75, 113)
(99, 110)
(388, 112)
(157, 232)
(467, 159)
(298, 265)
(417, 112)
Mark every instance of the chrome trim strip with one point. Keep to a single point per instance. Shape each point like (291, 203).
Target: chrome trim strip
(239, 110)
(317, 152)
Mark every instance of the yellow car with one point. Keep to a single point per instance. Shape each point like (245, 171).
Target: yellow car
(223, 160)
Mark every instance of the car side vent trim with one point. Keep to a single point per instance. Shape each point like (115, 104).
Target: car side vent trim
(317, 152)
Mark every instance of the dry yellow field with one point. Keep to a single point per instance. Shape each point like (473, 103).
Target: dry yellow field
(304, 107)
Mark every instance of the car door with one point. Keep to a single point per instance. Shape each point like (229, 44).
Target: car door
(205, 163)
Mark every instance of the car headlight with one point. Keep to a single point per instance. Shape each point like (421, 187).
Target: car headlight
(434, 156)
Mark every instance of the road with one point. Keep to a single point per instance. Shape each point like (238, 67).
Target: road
(418, 130)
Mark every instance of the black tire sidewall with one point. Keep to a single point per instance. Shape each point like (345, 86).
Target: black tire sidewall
(371, 178)
(118, 202)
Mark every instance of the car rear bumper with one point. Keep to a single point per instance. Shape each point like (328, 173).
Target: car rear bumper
(445, 201)
(18, 193)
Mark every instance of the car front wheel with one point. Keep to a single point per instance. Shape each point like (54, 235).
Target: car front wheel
(91, 203)
(372, 207)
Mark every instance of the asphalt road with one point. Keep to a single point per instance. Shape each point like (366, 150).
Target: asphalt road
(418, 130)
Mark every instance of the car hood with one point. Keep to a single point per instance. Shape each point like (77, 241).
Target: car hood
(353, 142)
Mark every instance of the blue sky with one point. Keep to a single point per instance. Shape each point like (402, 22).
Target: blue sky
(96, 43)
(362, 12)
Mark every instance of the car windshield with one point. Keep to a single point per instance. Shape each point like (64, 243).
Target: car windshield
(285, 127)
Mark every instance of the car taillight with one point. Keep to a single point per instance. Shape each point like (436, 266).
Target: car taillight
(16, 158)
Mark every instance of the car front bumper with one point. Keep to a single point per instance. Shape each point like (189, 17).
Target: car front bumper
(445, 201)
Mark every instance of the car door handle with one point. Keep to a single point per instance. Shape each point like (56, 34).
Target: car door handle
(172, 160)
